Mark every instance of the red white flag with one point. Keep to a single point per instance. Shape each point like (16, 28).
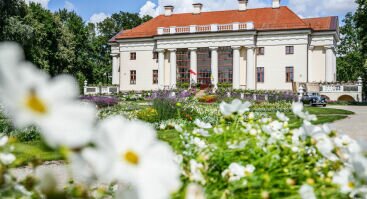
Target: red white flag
(192, 72)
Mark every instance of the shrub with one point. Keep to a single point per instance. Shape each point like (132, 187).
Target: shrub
(101, 101)
(208, 99)
(148, 115)
(166, 108)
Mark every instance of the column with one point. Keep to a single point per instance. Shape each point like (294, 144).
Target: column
(236, 67)
(310, 76)
(173, 68)
(115, 69)
(251, 83)
(161, 71)
(214, 66)
(193, 65)
(329, 76)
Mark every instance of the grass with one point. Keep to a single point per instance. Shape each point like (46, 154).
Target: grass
(34, 151)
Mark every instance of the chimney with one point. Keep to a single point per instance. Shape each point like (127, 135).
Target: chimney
(168, 10)
(197, 8)
(242, 5)
(276, 3)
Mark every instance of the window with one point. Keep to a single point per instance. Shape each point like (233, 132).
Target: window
(289, 50)
(133, 77)
(261, 51)
(260, 74)
(133, 56)
(155, 76)
(155, 55)
(289, 74)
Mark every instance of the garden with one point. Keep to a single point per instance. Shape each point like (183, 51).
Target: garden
(169, 144)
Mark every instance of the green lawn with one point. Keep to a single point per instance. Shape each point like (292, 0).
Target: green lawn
(34, 151)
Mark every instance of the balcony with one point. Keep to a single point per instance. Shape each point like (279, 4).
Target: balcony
(205, 28)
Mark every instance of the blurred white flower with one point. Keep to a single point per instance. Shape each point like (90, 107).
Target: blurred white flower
(235, 107)
(282, 117)
(133, 155)
(307, 192)
(196, 172)
(236, 171)
(202, 125)
(7, 158)
(32, 98)
(3, 140)
(344, 178)
(325, 146)
(194, 191)
(298, 110)
(201, 132)
(199, 143)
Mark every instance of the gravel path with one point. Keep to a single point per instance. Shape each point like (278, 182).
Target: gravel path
(355, 125)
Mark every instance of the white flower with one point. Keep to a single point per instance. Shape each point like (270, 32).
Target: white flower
(3, 141)
(202, 125)
(344, 178)
(325, 146)
(178, 128)
(201, 132)
(298, 111)
(32, 98)
(359, 164)
(236, 171)
(199, 143)
(282, 117)
(133, 155)
(195, 191)
(307, 192)
(7, 158)
(195, 171)
(235, 107)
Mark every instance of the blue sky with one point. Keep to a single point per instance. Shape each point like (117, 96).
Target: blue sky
(96, 10)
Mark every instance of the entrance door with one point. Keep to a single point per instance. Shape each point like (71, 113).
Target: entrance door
(204, 69)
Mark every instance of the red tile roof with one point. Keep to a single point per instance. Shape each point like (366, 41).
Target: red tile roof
(322, 23)
(263, 19)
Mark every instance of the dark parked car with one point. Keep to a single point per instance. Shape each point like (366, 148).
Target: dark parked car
(314, 99)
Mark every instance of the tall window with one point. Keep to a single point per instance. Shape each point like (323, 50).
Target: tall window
(260, 74)
(133, 77)
(133, 56)
(155, 76)
(289, 74)
(289, 50)
(261, 51)
(204, 62)
(225, 65)
(183, 65)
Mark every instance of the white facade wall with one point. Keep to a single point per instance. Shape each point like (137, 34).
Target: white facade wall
(308, 60)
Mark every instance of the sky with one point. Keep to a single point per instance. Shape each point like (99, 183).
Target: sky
(96, 10)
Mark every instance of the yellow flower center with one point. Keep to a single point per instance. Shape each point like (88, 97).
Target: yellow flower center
(351, 185)
(35, 104)
(131, 157)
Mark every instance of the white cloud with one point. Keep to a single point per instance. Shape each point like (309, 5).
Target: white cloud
(98, 17)
(304, 8)
(148, 9)
(316, 8)
(182, 6)
(69, 6)
(44, 3)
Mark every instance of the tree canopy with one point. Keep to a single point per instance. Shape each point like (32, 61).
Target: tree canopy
(62, 42)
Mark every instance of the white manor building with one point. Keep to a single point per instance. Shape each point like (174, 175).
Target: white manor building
(263, 48)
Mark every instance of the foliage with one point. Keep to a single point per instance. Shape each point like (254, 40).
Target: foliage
(166, 108)
(208, 98)
(61, 42)
(101, 101)
(148, 115)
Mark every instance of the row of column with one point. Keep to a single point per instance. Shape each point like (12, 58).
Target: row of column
(214, 67)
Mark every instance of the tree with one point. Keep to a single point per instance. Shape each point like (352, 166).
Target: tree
(350, 60)
(361, 21)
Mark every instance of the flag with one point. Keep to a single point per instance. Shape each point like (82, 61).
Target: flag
(192, 72)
